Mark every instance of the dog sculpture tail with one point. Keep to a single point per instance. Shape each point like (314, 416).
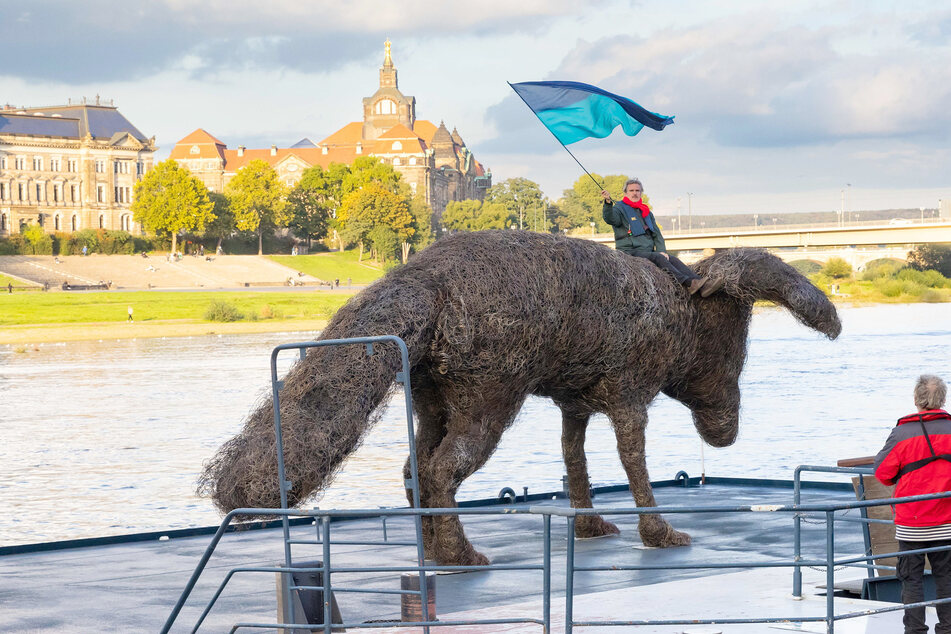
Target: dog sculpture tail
(329, 400)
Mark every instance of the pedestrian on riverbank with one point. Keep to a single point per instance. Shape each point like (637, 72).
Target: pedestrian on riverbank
(636, 233)
(915, 459)
(130, 314)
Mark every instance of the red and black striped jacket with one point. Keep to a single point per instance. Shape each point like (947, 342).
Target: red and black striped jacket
(916, 458)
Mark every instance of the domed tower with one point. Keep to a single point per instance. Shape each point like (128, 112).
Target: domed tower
(388, 106)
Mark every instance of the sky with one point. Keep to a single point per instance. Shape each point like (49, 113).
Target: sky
(780, 107)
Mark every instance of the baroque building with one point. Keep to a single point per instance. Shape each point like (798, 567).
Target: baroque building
(70, 167)
(434, 161)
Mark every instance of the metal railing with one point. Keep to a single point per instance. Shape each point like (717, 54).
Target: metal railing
(324, 520)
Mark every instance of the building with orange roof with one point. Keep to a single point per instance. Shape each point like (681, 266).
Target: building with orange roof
(433, 161)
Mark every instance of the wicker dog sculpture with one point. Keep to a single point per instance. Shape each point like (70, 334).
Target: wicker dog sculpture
(491, 317)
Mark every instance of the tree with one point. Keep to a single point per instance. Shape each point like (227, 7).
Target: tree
(931, 256)
(373, 206)
(312, 201)
(520, 197)
(258, 200)
(475, 215)
(223, 224)
(423, 218)
(581, 205)
(169, 200)
(837, 268)
(39, 242)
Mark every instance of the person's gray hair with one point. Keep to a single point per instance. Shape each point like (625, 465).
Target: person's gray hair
(633, 181)
(930, 392)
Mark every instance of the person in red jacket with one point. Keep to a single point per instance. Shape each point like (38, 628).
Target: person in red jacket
(916, 458)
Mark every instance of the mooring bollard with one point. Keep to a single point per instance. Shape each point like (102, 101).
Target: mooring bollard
(411, 604)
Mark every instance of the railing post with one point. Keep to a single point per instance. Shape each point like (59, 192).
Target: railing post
(283, 486)
(328, 597)
(866, 528)
(570, 576)
(830, 572)
(546, 576)
(797, 537)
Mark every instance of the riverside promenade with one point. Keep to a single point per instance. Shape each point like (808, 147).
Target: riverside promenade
(134, 272)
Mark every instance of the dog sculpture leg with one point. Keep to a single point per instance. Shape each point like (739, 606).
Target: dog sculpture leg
(629, 422)
(574, 424)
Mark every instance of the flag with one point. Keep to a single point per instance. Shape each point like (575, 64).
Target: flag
(575, 111)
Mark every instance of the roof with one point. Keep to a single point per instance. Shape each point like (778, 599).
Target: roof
(425, 129)
(399, 131)
(305, 142)
(101, 122)
(31, 125)
(350, 134)
(208, 147)
(311, 156)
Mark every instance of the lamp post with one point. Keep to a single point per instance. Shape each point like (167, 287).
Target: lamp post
(592, 228)
(689, 210)
(679, 224)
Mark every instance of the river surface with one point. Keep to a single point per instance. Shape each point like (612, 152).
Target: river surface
(107, 437)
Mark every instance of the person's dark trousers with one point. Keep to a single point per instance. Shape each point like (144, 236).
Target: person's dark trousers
(674, 266)
(911, 570)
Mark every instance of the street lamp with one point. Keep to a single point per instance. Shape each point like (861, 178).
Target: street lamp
(679, 224)
(689, 210)
(592, 228)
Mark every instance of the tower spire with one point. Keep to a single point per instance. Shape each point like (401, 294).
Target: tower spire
(387, 59)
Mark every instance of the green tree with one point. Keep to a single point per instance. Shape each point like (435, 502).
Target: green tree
(475, 215)
(258, 200)
(581, 205)
(38, 241)
(522, 198)
(423, 218)
(931, 256)
(311, 201)
(837, 268)
(373, 206)
(369, 169)
(169, 200)
(223, 224)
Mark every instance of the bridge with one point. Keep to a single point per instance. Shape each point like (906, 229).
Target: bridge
(856, 243)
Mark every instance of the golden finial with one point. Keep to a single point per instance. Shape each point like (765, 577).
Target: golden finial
(387, 60)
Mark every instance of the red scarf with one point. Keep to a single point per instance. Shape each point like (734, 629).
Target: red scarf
(644, 209)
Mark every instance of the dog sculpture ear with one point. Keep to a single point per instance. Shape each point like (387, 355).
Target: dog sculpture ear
(754, 274)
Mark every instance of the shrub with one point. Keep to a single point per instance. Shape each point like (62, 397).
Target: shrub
(36, 241)
(85, 237)
(933, 296)
(929, 278)
(14, 244)
(883, 267)
(269, 312)
(223, 311)
(837, 268)
(806, 267)
(113, 242)
(889, 288)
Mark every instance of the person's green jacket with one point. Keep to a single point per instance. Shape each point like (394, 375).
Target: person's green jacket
(630, 237)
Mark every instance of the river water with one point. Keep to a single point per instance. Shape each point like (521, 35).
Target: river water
(107, 437)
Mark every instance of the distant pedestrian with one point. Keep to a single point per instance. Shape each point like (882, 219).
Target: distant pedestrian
(201, 250)
(85, 250)
(218, 250)
(337, 282)
(10, 287)
(915, 460)
(130, 314)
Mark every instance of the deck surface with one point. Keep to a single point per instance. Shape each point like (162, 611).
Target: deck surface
(132, 587)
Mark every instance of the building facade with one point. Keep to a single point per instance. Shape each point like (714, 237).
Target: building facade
(70, 167)
(433, 161)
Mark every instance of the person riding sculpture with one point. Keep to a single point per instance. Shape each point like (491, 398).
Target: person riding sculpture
(636, 233)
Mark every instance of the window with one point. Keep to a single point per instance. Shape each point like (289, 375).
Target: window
(72, 165)
(57, 193)
(74, 193)
(3, 191)
(40, 187)
(386, 106)
(19, 163)
(139, 168)
(412, 160)
(100, 166)
(121, 167)
(397, 146)
(3, 162)
(102, 221)
(3, 222)
(56, 223)
(21, 191)
(55, 165)
(74, 224)
(396, 160)
(194, 150)
(37, 164)
(100, 193)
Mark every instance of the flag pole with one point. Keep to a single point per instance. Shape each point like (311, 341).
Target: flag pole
(600, 186)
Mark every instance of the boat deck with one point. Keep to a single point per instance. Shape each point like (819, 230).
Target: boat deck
(132, 586)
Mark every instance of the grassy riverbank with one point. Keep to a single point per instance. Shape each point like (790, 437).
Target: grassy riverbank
(335, 265)
(47, 317)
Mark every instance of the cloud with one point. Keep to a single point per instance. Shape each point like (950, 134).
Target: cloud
(755, 81)
(109, 40)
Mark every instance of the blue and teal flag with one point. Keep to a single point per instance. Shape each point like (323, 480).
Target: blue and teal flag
(575, 111)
